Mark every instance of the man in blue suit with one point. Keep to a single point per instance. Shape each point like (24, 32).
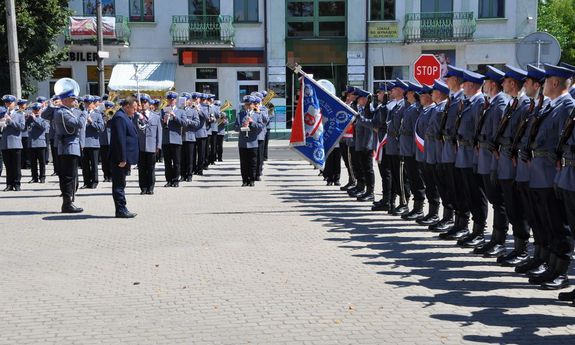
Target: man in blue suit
(124, 151)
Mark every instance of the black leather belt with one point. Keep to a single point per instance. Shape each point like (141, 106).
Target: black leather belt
(465, 142)
(544, 154)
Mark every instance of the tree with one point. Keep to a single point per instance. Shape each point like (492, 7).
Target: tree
(39, 23)
(557, 17)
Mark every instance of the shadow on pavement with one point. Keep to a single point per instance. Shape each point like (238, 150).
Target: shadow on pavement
(76, 217)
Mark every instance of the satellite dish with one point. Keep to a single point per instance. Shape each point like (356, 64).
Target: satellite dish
(538, 48)
(327, 85)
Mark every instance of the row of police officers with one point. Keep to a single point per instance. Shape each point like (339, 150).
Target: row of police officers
(503, 139)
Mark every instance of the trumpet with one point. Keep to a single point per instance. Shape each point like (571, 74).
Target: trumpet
(246, 125)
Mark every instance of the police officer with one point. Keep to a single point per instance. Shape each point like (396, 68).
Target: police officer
(572, 68)
(271, 112)
(68, 125)
(172, 122)
(48, 113)
(149, 127)
(486, 130)
(189, 140)
(407, 148)
(453, 230)
(214, 117)
(91, 148)
(37, 128)
(541, 151)
(25, 161)
(380, 126)
(249, 124)
(43, 102)
(105, 142)
(262, 136)
(365, 144)
(346, 143)
(11, 144)
(222, 123)
(201, 132)
(423, 147)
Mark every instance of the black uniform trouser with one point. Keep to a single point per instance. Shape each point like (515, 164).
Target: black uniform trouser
(555, 232)
(471, 196)
(119, 186)
(147, 171)
(1, 163)
(260, 158)
(332, 169)
(526, 199)
(55, 160)
(105, 158)
(248, 163)
(46, 151)
(220, 147)
(90, 165)
(200, 154)
(38, 163)
(354, 158)
(431, 191)
(172, 159)
(213, 147)
(13, 163)
(188, 164)
(266, 144)
(345, 155)
(495, 196)
(365, 169)
(25, 160)
(414, 175)
(514, 208)
(445, 179)
(68, 176)
(399, 179)
(568, 198)
(387, 187)
(208, 141)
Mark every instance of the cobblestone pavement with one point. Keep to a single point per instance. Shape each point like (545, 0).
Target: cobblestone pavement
(290, 261)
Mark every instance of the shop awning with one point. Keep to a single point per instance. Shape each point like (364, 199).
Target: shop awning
(157, 76)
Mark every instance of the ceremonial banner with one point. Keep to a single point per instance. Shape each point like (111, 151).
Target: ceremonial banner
(85, 27)
(319, 122)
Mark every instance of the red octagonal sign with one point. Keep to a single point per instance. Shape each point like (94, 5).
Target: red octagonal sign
(426, 69)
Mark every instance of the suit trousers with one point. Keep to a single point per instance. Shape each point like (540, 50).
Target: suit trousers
(495, 197)
(345, 155)
(172, 159)
(414, 174)
(332, 169)
(188, 159)
(55, 160)
(213, 147)
(431, 191)
(68, 176)
(470, 196)
(220, 147)
(90, 165)
(555, 231)
(105, 158)
(248, 164)
(260, 158)
(13, 163)
(119, 186)
(147, 171)
(38, 163)
(200, 155)
(514, 209)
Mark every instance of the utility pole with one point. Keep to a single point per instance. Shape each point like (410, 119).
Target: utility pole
(13, 56)
(100, 48)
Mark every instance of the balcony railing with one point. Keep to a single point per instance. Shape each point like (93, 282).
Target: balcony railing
(439, 26)
(116, 34)
(202, 31)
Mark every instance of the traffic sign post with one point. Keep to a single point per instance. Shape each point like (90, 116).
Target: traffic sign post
(426, 69)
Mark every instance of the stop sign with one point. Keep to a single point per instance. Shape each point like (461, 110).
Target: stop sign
(426, 69)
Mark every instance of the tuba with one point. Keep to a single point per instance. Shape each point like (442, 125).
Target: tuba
(271, 94)
(65, 85)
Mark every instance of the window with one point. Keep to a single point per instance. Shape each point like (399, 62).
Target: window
(388, 73)
(207, 73)
(141, 10)
(108, 8)
(246, 11)
(252, 75)
(382, 10)
(491, 8)
(203, 7)
(207, 87)
(316, 18)
(246, 90)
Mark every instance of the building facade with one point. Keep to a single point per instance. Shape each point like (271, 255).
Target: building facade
(233, 47)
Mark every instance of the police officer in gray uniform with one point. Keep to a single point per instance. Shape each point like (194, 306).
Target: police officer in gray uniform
(172, 122)
(365, 144)
(11, 143)
(346, 143)
(221, 125)
(189, 140)
(25, 160)
(214, 117)
(201, 133)
(542, 153)
(572, 68)
(68, 125)
(105, 142)
(262, 136)
(48, 113)
(91, 149)
(37, 128)
(149, 127)
(249, 124)
(486, 130)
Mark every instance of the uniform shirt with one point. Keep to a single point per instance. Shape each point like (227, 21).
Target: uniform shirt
(393, 126)
(192, 123)
(12, 133)
(94, 129)
(150, 132)
(365, 139)
(433, 141)
(249, 140)
(505, 167)
(68, 125)
(486, 161)
(473, 108)
(265, 120)
(407, 128)
(420, 129)
(204, 114)
(37, 128)
(448, 150)
(172, 131)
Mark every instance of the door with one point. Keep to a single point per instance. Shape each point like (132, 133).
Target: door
(436, 20)
(204, 20)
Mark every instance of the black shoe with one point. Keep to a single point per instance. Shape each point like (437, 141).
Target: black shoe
(380, 207)
(454, 233)
(200, 173)
(126, 214)
(357, 193)
(7, 189)
(537, 271)
(94, 186)
(85, 187)
(480, 250)
(143, 192)
(471, 241)
(400, 210)
(367, 196)
(42, 180)
(329, 183)
(528, 265)
(71, 208)
(495, 252)
(169, 184)
(252, 184)
(220, 160)
(567, 296)
(150, 192)
(560, 282)
(428, 220)
(547, 276)
(336, 183)
(519, 259)
(33, 181)
(413, 215)
(443, 225)
(16, 188)
(54, 174)
(188, 179)
(349, 185)
(176, 184)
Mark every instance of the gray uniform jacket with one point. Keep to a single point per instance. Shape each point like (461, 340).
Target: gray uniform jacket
(566, 178)
(365, 137)
(215, 112)
(449, 135)
(406, 138)
(549, 125)
(465, 155)
(505, 167)
(150, 137)
(37, 128)
(522, 171)
(265, 120)
(172, 132)
(433, 141)
(420, 130)
(94, 129)
(486, 162)
(393, 125)
(251, 140)
(67, 127)
(12, 133)
(222, 124)
(204, 114)
(193, 122)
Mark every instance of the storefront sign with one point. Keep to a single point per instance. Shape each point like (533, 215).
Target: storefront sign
(383, 30)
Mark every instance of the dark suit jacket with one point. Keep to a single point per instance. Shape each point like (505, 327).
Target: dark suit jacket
(123, 139)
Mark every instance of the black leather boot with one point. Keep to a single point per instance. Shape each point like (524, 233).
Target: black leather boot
(499, 248)
(445, 223)
(350, 184)
(357, 191)
(474, 239)
(560, 281)
(69, 207)
(539, 277)
(432, 217)
(367, 196)
(531, 263)
(416, 213)
(457, 231)
(518, 256)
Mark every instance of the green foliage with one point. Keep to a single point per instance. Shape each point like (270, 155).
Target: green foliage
(39, 23)
(557, 17)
